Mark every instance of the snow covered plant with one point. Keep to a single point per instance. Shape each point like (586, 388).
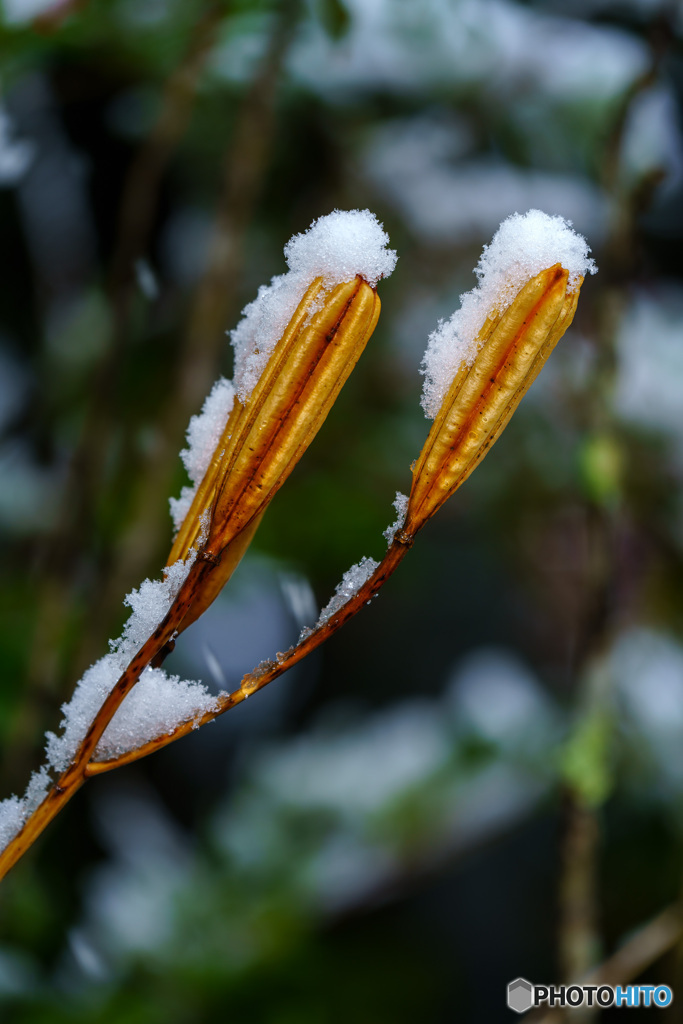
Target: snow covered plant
(294, 348)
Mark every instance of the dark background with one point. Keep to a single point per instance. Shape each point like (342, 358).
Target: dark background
(481, 776)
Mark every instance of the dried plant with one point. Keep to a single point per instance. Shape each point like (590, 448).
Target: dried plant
(295, 348)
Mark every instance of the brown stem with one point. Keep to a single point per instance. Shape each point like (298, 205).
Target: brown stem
(73, 778)
(269, 670)
(81, 768)
(644, 948)
(579, 937)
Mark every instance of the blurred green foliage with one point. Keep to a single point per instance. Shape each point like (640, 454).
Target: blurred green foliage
(379, 838)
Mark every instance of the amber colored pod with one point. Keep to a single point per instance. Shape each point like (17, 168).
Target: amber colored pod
(310, 371)
(238, 420)
(220, 573)
(513, 348)
(264, 438)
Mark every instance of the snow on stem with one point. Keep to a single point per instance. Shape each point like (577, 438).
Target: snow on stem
(247, 439)
(295, 347)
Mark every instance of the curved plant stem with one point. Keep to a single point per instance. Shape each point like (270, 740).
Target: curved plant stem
(82, 766)
(72, 779)
(267, 671)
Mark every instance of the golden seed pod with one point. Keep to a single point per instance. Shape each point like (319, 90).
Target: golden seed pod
(513, 347)
(264, 438)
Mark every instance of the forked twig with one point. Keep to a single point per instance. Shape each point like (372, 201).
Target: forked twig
(83, 766)
(472, 392)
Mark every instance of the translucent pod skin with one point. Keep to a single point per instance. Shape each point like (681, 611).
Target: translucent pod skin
(513, 347)
(264, 439)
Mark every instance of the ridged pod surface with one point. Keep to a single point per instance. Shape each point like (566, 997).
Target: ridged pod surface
(513, 347)
(265, 437)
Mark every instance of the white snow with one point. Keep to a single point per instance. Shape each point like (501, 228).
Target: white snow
(149, 604)
(12, 817)
(351, 582)
(646, 667)
(37, 788)
(401, 506)
(505, 48)
(361, 769)
(155, 705)
(649, 378)
(205, 429)
(15, 810)
(494, 695)
(652, 138)
(203, 434)
(17, 12)
(341, 245)
(336, 248)
(523, 246)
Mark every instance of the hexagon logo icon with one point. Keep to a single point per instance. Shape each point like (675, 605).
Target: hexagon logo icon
(520, 995)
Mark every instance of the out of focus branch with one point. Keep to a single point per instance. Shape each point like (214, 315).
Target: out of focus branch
(141, 191)
(578, 932)
(643, 949)
(578, 890)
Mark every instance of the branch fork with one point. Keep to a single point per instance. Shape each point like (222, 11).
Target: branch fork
(263, 438)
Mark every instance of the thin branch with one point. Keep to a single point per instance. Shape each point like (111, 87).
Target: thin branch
(578, 933)
(267, 671)
(73, 778)
(644, 948)
(139, 203)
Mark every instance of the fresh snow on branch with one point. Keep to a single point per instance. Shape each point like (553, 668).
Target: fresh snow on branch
(523, 246)
(401, 506)
(337, 248)
(203, 435)
(138, 717)
(15, 810)
(351, 582)
(155, 705)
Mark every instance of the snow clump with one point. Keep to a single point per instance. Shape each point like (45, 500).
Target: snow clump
(523, 246)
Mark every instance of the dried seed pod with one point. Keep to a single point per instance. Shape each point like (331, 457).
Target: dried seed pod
(264, 439)
(512, 348)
